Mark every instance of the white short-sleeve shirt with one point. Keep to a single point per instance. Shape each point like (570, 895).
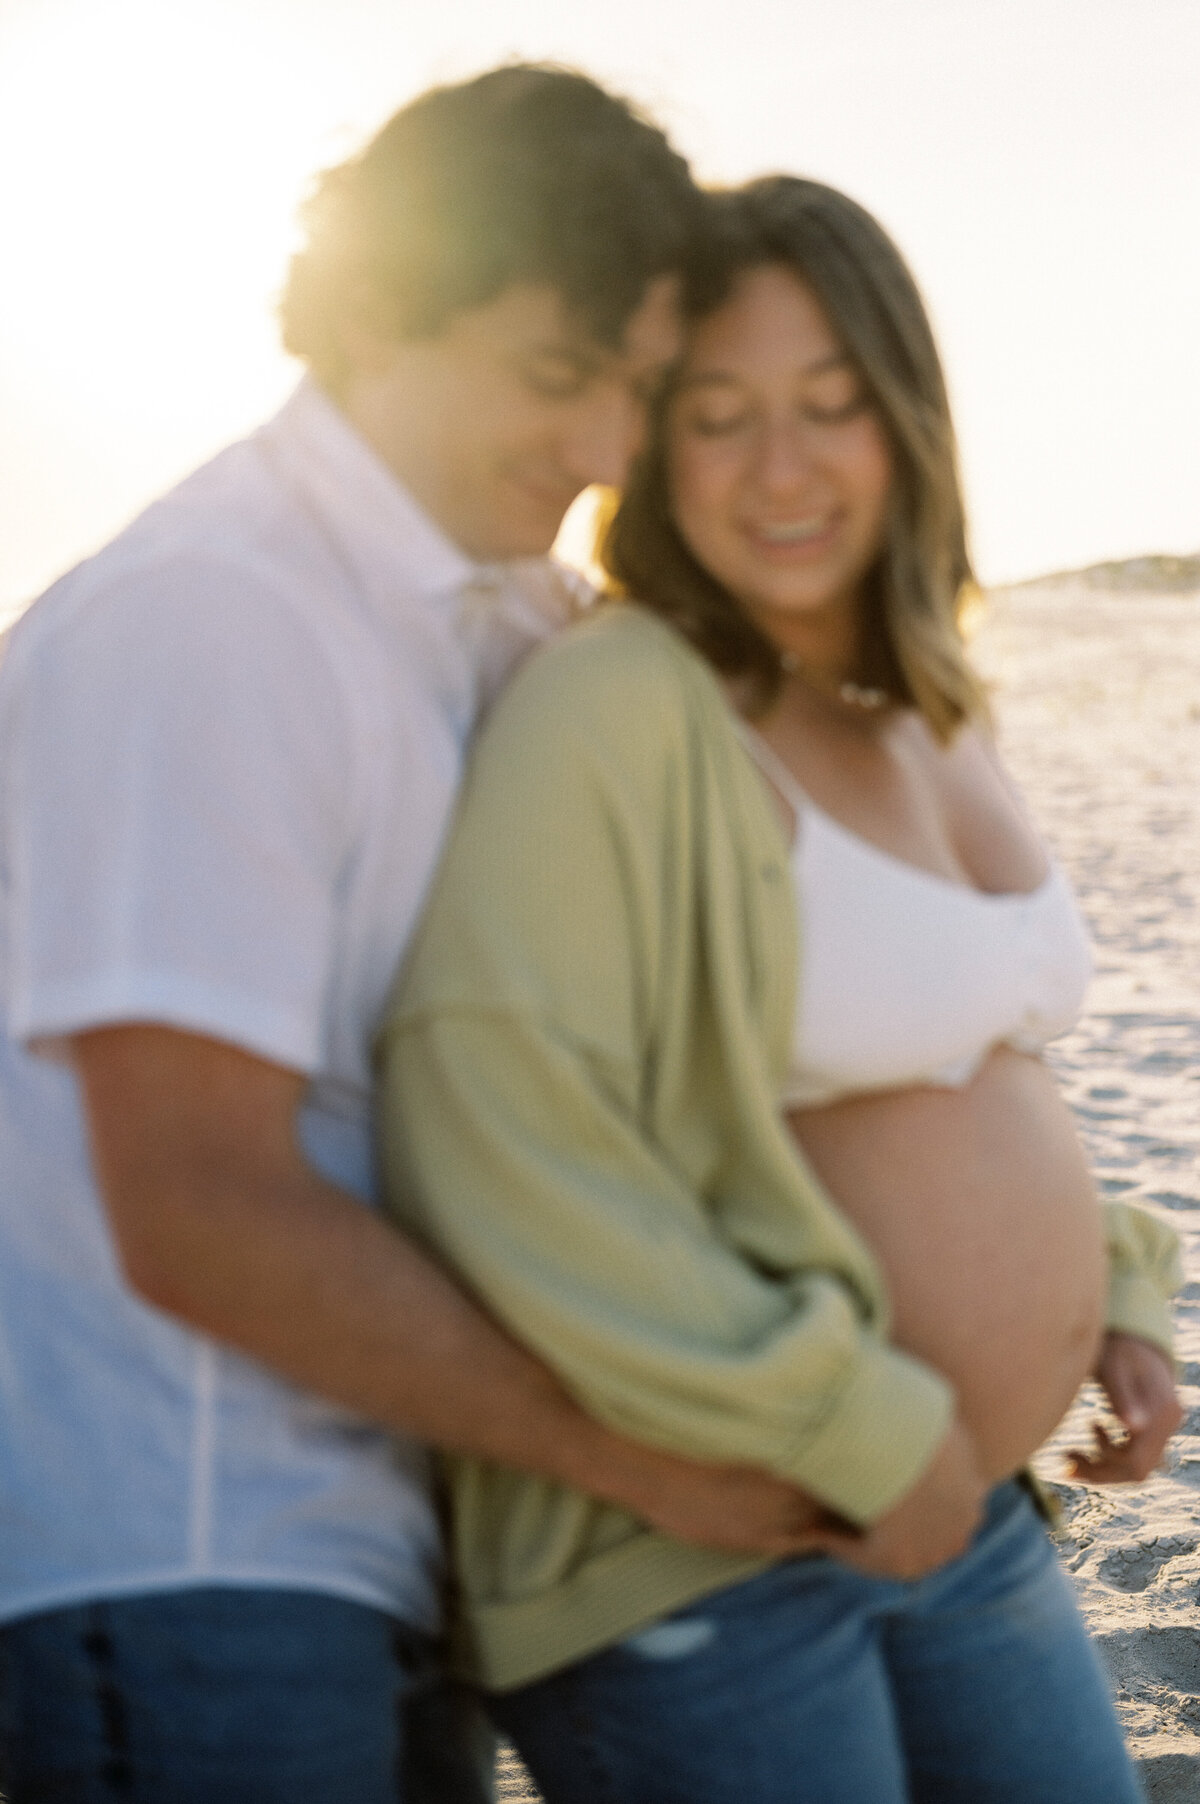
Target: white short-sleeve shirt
(229, 745)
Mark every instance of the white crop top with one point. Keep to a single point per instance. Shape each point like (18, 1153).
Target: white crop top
(907, 977)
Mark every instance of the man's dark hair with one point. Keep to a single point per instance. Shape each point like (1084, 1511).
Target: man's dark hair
(527, 173)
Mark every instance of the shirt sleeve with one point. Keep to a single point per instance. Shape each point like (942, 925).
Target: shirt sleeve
(179, 799)
(542, 1191)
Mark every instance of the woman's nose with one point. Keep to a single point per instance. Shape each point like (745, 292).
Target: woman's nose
(784, 452)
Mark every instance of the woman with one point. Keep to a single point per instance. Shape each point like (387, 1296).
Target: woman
(741, 916)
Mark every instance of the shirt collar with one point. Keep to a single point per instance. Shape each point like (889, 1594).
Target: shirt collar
(468, 624)
(380, 530)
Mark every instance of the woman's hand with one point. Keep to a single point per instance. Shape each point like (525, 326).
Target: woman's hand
(1139, 1381)
(931, 1524)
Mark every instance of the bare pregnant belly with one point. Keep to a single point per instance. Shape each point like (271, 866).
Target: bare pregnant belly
(978, 1204)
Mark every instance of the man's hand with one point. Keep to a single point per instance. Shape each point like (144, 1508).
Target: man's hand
(729, 1507)
(1139, 1382)
(931, 1524)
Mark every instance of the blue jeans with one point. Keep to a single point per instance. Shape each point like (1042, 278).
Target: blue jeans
(813, 1684)
(230, 1696)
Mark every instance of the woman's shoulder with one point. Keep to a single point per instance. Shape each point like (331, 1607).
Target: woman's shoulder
(620, 674)
(621, 637)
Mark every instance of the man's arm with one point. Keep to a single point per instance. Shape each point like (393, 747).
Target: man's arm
(218, 1219)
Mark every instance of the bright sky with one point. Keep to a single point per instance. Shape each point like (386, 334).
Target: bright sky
(1038, 160)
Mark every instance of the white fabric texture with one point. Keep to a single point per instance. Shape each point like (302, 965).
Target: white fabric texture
(229, 745)
(907, 977)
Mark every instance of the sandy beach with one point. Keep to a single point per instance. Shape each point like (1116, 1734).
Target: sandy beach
(1098, 697)
(1097, 694)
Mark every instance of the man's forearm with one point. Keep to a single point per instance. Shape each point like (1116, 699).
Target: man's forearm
(313, 1285)
(219, 1220)
(324, 1293)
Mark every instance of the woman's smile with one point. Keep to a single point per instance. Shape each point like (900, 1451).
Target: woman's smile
(806, 535)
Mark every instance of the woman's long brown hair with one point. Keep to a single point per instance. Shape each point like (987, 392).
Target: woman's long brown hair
(911, 647)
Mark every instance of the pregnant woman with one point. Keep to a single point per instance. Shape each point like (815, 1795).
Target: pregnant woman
(717, 1074)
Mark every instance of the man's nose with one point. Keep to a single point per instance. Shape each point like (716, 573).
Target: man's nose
(606, 436)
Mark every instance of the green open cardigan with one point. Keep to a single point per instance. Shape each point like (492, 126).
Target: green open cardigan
(579, 1073)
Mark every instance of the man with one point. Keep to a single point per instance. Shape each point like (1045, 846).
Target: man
(228, 748)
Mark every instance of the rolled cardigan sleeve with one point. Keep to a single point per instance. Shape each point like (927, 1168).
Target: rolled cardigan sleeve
(1144, 1272)
(516, 1138)
(515, 1158)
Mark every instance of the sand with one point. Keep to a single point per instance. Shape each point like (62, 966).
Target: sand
(1098, 696)
(1098, 704)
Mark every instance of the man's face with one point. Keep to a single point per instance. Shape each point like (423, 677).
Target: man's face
(498, 422)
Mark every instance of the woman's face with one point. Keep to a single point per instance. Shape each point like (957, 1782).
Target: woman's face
(779, 469)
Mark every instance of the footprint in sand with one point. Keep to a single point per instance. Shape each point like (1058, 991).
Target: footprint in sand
(1133, 1568)
(1157, 1660)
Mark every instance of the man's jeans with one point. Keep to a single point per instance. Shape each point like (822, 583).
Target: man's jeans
(812, 1684)
(230, 1696)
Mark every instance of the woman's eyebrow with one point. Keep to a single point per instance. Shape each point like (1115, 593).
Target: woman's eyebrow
(708, 379)
(584, 357)
(837, 360)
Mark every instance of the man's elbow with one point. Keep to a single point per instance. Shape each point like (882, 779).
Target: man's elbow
(156, 1281)
(156, 1257)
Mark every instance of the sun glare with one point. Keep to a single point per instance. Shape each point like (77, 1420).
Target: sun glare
(161, 152)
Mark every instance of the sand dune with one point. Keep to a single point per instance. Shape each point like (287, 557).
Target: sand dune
(1098, 702)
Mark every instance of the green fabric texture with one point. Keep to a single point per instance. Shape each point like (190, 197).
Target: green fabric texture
(579, 1073)
(1144, 1270)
